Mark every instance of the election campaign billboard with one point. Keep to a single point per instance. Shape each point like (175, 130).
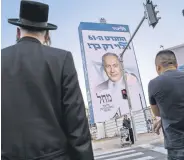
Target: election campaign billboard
(101, 46)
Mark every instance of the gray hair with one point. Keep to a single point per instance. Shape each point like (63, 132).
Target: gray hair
(38, 33)
(108, 54)
(34, 32)
(165, 58)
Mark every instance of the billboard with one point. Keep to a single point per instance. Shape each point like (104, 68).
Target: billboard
(101, 45)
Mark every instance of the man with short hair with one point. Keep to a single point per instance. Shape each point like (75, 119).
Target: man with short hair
(166, 95)
(43, 112)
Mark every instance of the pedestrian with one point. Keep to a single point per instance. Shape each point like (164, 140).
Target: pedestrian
(43, 112)
(166, 95)
(127, 125)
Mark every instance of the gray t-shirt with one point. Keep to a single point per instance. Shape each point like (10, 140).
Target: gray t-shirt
(167, 92)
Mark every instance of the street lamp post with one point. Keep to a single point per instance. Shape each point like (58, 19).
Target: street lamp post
(151, 14)
(125, 78)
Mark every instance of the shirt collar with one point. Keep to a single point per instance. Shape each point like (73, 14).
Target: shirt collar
(120, 82)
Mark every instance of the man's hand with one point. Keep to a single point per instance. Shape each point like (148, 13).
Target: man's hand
(156, 126)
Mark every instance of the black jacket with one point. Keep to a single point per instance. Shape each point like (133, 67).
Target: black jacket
(127, 123)
(43, 113)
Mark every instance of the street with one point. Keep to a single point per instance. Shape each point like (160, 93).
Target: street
(92, 80)
(137, 153)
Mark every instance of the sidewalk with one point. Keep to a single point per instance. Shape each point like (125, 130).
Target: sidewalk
(114, 143)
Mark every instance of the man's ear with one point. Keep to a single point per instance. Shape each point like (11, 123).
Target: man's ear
(158, 69)
(18, 34)
(47, 38)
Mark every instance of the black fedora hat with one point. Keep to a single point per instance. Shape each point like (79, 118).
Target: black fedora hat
(33, 15)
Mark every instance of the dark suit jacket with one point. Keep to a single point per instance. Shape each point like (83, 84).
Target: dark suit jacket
(43, 113)
(102, 86)
(127, 123)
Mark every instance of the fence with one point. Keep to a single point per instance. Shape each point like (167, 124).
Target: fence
(112, 127)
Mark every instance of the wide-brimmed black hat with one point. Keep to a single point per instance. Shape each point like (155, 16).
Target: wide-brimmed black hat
(33, 15)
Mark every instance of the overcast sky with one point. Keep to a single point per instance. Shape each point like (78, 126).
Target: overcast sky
(67, 14)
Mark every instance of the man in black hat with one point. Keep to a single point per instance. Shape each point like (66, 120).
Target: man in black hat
(43, 113)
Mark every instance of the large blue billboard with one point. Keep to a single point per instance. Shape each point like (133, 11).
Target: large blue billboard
(101, 45)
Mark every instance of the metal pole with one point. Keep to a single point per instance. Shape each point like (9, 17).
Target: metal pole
(120, 111)
(117, 126)
(142, 20)
(129, 102)
(125, 79)
(145, 116)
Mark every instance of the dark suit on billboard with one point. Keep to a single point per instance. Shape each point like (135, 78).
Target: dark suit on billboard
(105, 85)
(43, 113)
(102, 86)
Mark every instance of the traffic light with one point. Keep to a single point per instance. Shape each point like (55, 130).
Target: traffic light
(124, 94)
(183, 12)
(151, 13)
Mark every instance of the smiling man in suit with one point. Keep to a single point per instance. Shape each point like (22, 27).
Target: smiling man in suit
(113, 70)
(43, 113)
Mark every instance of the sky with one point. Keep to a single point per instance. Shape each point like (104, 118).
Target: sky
(67, 14)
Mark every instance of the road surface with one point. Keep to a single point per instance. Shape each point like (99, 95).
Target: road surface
(137, 153)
